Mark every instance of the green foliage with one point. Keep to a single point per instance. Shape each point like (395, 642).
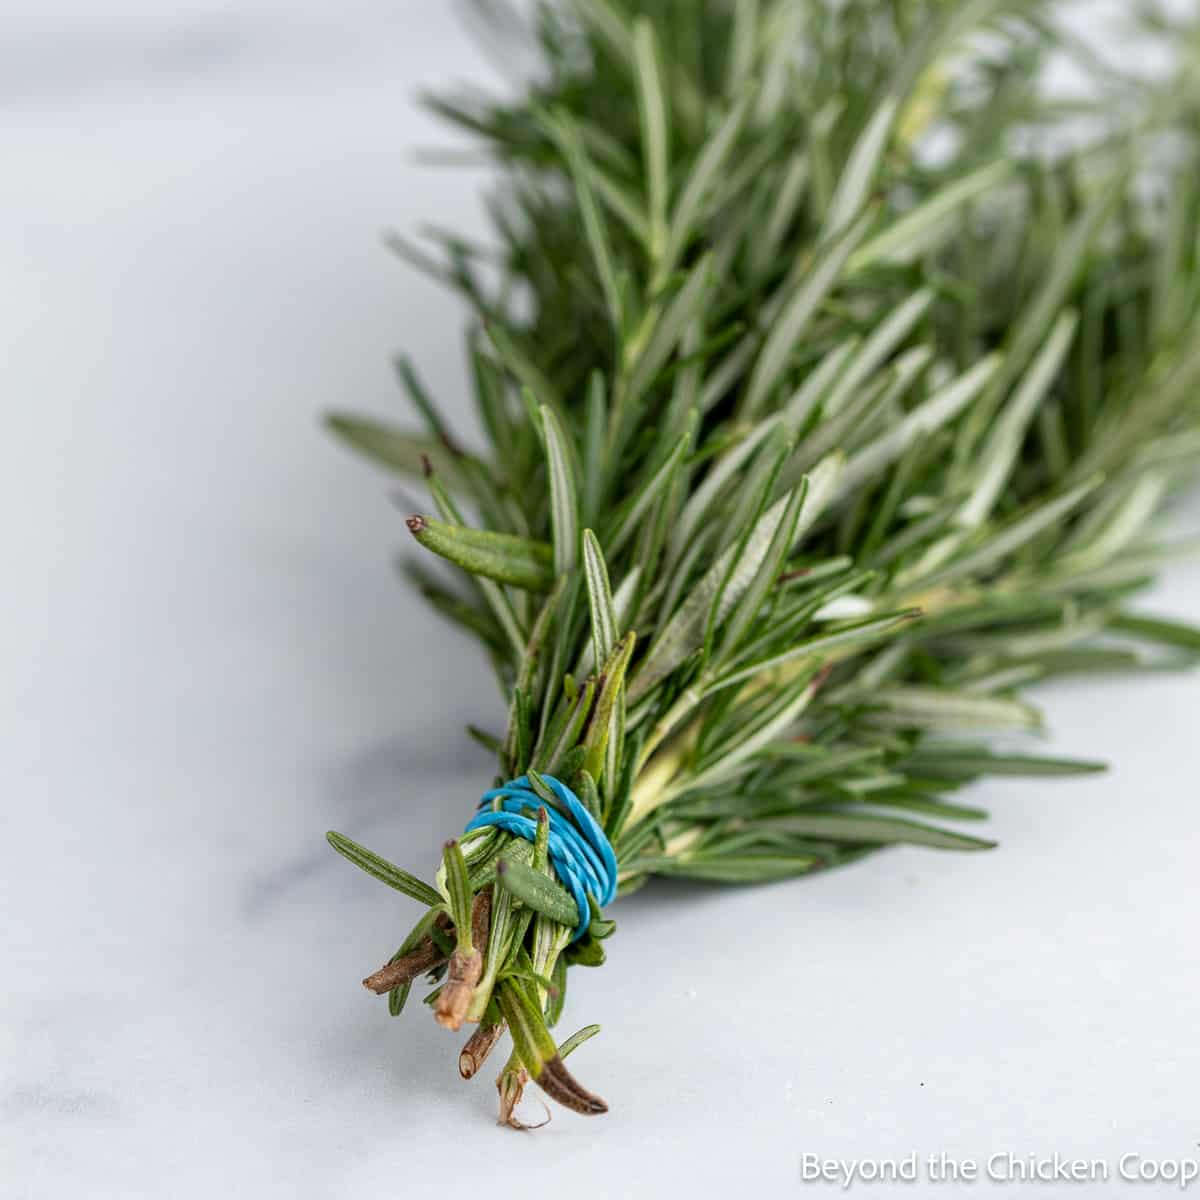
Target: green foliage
(827, 406)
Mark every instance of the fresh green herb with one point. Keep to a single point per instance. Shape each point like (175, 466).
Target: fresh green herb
(832, 389)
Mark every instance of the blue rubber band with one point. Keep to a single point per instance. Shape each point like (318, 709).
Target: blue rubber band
(580, 853)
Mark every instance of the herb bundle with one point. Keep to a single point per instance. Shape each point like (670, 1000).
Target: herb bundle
(833, 378)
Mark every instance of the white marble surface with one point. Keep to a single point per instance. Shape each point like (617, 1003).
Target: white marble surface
(206, 662)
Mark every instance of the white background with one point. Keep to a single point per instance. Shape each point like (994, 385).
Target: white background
(207, 661)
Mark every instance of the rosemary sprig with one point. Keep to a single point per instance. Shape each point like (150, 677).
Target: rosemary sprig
(826, 410)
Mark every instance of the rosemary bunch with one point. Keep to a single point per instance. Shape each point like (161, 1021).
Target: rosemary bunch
(826, 409)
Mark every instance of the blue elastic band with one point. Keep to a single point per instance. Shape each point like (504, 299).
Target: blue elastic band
(580, 854)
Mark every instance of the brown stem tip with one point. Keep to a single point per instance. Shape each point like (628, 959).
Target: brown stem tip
(454, 999)
(415, 524)
(465, 970)
(405, 968)
(479, 1045)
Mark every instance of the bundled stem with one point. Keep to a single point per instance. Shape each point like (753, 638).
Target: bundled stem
(824, 415)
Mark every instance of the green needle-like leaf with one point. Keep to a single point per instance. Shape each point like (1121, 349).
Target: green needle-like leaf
(605, 630)
(562, 129)
(458, 893)
(919, 231)
(876, 829)
(564, 500)
(404, 452)
(500, 557)
(383, 870)
(652, 109)
(797, 312)
(855, 181)
(539, 892)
